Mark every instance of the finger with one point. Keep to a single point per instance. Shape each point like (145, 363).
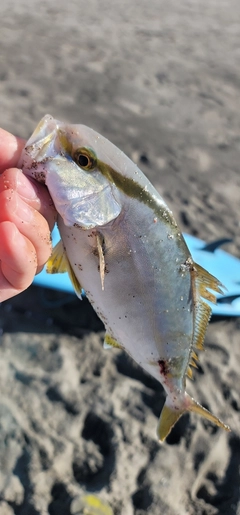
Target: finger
(32, 192)
(18, 261)
(10, 149)
(28, 221)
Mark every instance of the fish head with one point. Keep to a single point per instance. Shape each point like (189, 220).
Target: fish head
(66, 159)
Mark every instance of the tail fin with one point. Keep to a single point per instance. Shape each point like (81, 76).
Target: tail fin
(167, 420)
(169, 416)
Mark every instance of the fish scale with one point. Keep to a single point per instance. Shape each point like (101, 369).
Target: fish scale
(121, 243)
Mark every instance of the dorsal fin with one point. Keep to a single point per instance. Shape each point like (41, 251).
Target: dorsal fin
(202, 316)
(202, 281)
(206, 280)
(58, 263)
(189, 372)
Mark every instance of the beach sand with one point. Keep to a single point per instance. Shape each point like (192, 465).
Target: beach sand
(161, 80)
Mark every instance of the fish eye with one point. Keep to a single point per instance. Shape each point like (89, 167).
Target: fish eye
(85, 158)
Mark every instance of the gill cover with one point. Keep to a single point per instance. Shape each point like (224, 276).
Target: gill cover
(85, 199)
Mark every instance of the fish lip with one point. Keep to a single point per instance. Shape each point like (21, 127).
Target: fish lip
(36, 155)
(36, 169)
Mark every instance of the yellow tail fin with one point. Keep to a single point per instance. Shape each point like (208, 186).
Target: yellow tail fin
(168, 419)
(170, 416)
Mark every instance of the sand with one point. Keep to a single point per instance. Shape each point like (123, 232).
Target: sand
(161, 80)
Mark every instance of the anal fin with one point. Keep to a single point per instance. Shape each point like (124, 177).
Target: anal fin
(100, 249)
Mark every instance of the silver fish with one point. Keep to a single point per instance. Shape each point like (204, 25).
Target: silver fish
(120, 242)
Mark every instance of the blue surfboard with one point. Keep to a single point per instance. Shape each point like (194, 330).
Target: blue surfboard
(219, 263)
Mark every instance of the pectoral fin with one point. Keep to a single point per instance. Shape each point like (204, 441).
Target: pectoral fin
(169, 416)
(100, 249)
(58, 263)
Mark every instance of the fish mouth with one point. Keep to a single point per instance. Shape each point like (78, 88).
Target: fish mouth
(42, 147)
(36, 156)
(39, 150)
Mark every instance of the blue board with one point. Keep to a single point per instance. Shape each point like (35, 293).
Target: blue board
(222, 265)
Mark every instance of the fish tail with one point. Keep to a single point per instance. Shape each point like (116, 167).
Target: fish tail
(167, 420)
(170, 415)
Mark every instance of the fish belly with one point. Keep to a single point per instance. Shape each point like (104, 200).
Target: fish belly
(146, 303)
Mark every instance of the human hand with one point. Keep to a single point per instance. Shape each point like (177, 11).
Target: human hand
(27, 216)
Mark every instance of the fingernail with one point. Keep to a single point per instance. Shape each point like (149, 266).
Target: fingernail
(25, 187)
(23, 210)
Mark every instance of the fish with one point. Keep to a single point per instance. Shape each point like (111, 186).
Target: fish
(121, 244)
